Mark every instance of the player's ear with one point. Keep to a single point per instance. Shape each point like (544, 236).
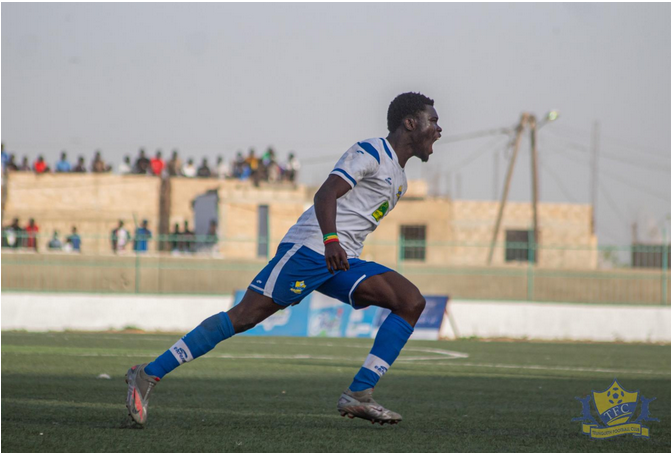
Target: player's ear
(410, 123)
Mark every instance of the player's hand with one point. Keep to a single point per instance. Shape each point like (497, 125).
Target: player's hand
(336, 257)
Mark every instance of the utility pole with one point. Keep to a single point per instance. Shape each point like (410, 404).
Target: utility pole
(458, 185)
(495, 180)
(595, 172)
(534, 176)
(506, 187)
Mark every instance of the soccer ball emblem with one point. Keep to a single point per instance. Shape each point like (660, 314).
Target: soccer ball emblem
(617, 394)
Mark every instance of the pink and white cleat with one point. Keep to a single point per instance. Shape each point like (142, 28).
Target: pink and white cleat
(139, 387)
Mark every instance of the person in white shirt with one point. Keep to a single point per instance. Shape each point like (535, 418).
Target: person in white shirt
(125, 167)
(189, 169)
(321, 252)
(222, 169)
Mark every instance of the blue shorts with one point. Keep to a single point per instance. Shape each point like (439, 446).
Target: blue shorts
(297, 270)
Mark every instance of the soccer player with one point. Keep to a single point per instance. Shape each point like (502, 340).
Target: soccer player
(320, 252)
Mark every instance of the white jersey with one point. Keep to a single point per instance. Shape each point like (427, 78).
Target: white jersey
(371, 168)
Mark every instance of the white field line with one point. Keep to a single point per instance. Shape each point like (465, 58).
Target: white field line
(439, 361)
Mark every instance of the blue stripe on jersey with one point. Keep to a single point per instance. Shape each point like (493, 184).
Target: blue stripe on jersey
(386, 148)
(371, 150)
(351, 179)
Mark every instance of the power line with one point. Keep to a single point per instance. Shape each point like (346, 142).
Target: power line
(656, 194)
(561, 185)
(614, 157)
(635, 147)
(476, 154)
(477, 134)
(612, 202)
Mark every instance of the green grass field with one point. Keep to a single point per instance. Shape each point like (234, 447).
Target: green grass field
(255, 394)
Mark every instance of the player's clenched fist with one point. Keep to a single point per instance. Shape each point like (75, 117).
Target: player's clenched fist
(336, 257)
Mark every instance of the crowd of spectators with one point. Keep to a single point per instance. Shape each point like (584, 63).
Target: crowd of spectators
(179, 241)
(16, 237)
(252, 167)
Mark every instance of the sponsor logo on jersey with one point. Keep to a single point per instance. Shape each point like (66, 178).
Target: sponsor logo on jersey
(381, 211)
(615, 407)
(388, 180)
(298, 287)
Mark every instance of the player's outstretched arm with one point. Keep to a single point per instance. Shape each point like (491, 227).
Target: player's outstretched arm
(325, 209)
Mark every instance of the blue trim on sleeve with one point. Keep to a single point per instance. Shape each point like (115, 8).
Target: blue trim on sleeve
(351, 179)
(371, 150)
(386, 148)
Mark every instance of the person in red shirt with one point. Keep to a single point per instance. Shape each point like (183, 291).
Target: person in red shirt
(157, 164)
(40, 166)
(31, 234)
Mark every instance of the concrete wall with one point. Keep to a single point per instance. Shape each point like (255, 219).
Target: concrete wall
(43, 312)
(92, 203)
(182, 274)
(58, 312)
(559, 322)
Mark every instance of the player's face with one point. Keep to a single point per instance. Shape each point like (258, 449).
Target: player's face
(428, 131)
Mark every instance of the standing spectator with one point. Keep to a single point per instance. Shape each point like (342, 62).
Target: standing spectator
(74, 241)
(31, 234)
(175, 239)
(157, 164)
(80, 167)
(12, 235)
(24, 167)
(142, 165)
(119, 238)
(204, 170)
(11, 165)
(98, 166)
(212, 239)
(174, 165)
(252, 161)
(188, 238)
(291, 168)
(55, 243)
(189, 169)
(273, 173)
(63, 165)
(5, 159)
(125, 167)
(222, 171)
(40, 166)
(238, 165)
(142, 237)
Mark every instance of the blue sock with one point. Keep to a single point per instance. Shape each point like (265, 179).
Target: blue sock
(390, 339)
(201, 340)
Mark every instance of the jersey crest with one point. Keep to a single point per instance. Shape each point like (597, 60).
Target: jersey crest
(381, 211)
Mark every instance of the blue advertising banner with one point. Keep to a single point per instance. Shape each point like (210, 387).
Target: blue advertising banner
(428, 325)
(292, 321)
(321, 316)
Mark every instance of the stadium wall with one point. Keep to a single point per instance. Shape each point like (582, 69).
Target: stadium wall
(57, 312)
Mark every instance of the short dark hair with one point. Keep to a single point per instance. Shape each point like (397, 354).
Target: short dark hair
(404, 105)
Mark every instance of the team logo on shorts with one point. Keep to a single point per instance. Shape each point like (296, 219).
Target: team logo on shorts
(615, 407)
(298, 287)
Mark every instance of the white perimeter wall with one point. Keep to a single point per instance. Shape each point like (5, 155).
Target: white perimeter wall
(558, 321)
(54, 312)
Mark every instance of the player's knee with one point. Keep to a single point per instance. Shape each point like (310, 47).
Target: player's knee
(417, 305)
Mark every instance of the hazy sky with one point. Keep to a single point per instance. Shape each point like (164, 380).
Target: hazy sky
(315, 78)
